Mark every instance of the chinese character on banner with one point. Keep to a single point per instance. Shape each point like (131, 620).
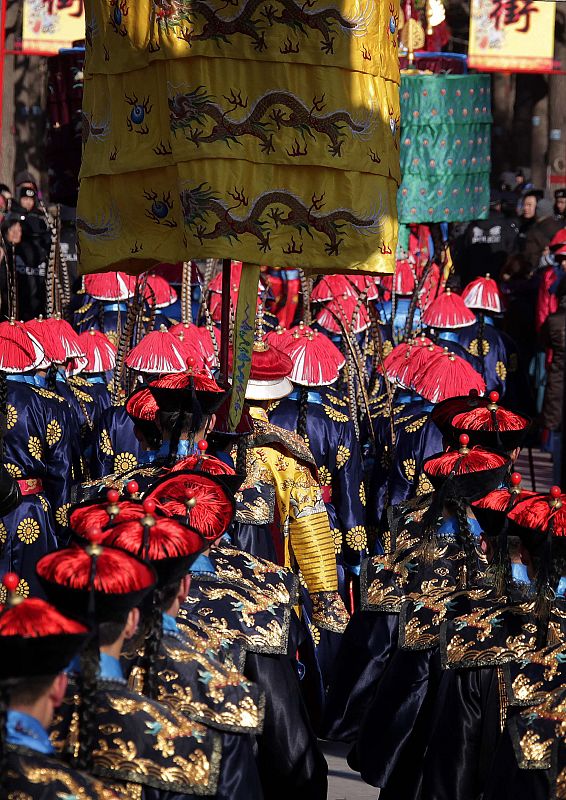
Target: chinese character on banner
(512, 35)
(49, 25)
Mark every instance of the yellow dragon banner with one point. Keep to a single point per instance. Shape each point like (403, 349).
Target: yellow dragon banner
(263, 130)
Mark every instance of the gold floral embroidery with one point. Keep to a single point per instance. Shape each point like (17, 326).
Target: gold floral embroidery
(362, 494)
(415, 425)
(474, 347)
(315, 633)
(13, 470)
(53, 432)
(73, 789)
(409, 467)
(28, 530)
(22, 589)
(534, 748)
(324, 476)
(3, 533)
(356, 538)
(105, 443)
(48, 394)
(337, 538)
(11, 416)
(342, 455)
(62, 514)
(424, 485)
(124, 462)
(501, 370)
(35, 447)
(43, 501)
(387, 347)
(337, 401)
(335, 416)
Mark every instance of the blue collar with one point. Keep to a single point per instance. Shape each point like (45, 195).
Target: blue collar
(26, 731)
(169, 624)
(519, 573)
(313, 397)
(22, 379)
(95, 379)
(450, 526)
(110, 668)
(202, 564)
(40, 381)
(183, 450)
(488, 320)
(448, 336)
(115, 307)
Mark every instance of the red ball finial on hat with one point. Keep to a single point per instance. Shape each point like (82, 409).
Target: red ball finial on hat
(132, 487)
(112, 495)
(464, 439)
(555, 492)
(149, 505)
(202, 445)
(494, 397)
(516, 479)
(11, 581)
(190, 499)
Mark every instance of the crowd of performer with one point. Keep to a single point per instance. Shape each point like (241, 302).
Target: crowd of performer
(188, 610)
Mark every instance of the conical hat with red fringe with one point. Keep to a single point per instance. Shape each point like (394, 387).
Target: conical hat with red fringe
(404, 278)
(541, 513)
(35, 638)
(95, 579)
(419, 352)
(88, 520)
(199, 500)
(365, 283)
(167, 545)
(57, 338)
(159, 292)
(491, 425)
(492, 509)
(110, 286)
(183, 391)
(483, 295)
(430, 286)
(330, 286)
(345, 309)
(161, 351)
(447, 375)
(448, 311)
(470, 472)
(99, 354)
(198, 338)
(19, 351)
(316, 360)
(269, 372)
(215, 290)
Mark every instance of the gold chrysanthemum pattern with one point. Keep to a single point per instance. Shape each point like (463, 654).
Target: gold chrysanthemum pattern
(13, 470)
(324, 476)
(362, 494)
(315, 633)
(124, 461)
(424, 486)
(11, 416)
(409, 467)
(53, 432)
(105, 443)
(501, 370)
(28, 530)
(3, 533)
(43, 501)
(35, 447)
(337, 539)
(356, 538)
(22, 589)
(335, 416)
(474, 347)
(342, 455)
(62, 515)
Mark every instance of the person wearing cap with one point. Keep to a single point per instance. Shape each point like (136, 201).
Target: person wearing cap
(300, 529)
(37, 643)
(169, 668)
(168, 757)
(560, 205)
(316, 412)
(529, 637)
(35, 250)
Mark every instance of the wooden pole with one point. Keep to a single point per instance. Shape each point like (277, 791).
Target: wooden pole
(225, 320)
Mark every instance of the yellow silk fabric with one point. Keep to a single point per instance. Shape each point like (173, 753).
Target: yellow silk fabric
(263, 130)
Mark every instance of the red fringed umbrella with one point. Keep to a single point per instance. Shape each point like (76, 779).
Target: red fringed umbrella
(58, 340)
(448, 375)
(161, 351)
(99, 354)
(316, 360)
(19, 351)
(110, 286)
(448, 310)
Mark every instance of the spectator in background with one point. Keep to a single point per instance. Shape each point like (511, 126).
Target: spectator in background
(527, 220)
(5, 200)
(10, 258)
(547, 301)
(553, 338)
(33, 252)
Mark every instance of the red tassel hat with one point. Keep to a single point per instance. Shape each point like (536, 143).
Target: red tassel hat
(443, 413)
(445, 376)
(159, 292)
(19, 350)
(330, 286)
(404, 279)
(418, 357)
(35, 638)
(95, 582)
(483, 295)
(161, 352)
(270, 368)
(344, 309)
(468, 473)
(168, 546)
(58, 340)
(189, 391)
(492, 509)
(99, 354)
(365, 283)
(89, 519)
(448, 311)
(316, 360)
(198, 338)
(110, 286)
(491, 425)
(210, 465)
(201, 501)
